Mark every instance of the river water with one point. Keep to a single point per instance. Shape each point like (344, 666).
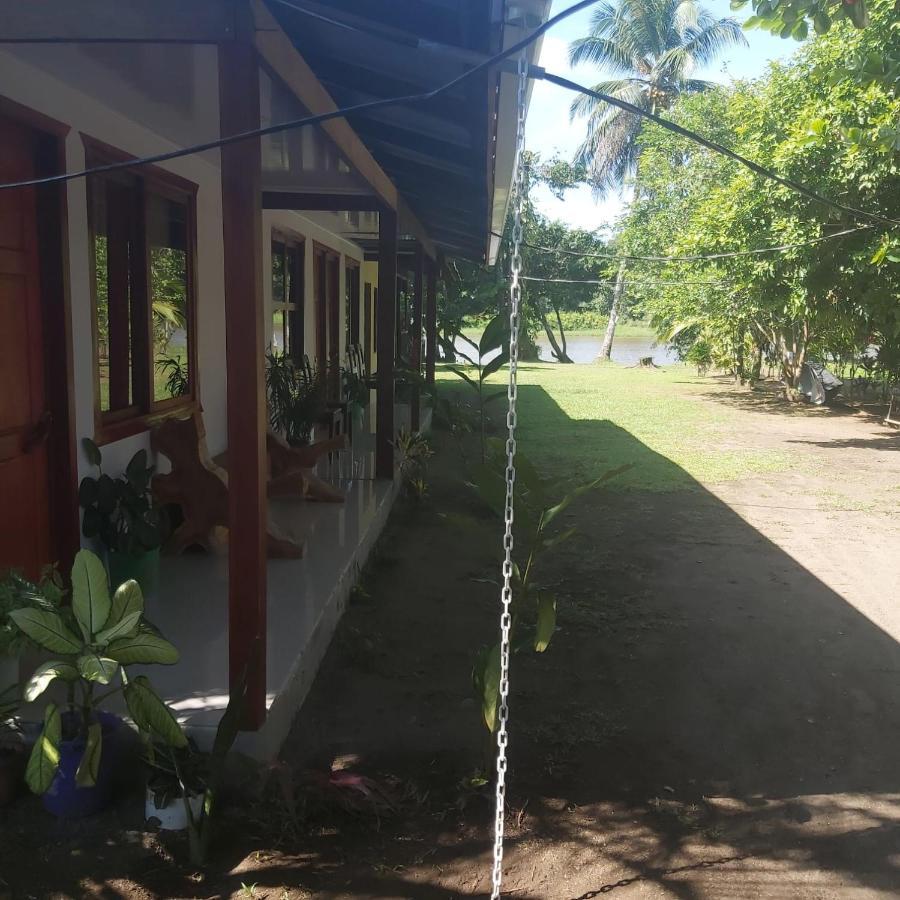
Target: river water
(584, 348)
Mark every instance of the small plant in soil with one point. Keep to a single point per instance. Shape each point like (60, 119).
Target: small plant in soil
(538, 535)
(415, 451)
(93, 642)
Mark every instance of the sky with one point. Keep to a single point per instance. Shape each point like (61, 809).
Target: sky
(550, 132)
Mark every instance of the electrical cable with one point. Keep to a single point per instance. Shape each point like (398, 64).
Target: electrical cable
(754, 167)
(306, 120)
(628, 282)
(534, 72)
(696, 258)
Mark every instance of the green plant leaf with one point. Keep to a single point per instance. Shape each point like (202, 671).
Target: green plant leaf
(87, 491)
(45, 675)
(151, 714)
(464, 376)
(125, 612)
(143, 647)
(90, 593)
(495, 334)
(92, 452)
(123, 628)
(89, 767)
(94, 667)
(552, 512)
(44, 759)
(497, 363)
(546, 622)
(490, 487)
(559, 538)
(47, 629)
(490, 687)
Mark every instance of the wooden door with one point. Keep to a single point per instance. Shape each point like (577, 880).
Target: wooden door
(334, 313)
(24, 416)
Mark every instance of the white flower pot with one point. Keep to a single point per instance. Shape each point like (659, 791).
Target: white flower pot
(174, 816)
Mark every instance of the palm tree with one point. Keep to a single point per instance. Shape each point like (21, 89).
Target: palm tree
(653, 48)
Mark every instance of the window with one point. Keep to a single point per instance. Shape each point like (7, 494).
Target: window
(142, 234)
(287, 298)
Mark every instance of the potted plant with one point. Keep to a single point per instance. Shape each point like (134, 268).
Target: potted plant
(12, 754)
(174, 775)
(93, 641)
(296, 398)
(121, 514)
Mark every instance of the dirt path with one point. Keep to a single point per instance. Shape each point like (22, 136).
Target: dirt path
(716, 717)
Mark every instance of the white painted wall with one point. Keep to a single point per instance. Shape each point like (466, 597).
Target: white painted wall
(84, 88)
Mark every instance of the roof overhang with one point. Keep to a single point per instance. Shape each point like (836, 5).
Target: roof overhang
(451, 157)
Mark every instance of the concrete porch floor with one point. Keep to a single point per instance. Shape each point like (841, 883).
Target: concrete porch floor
(306, 598)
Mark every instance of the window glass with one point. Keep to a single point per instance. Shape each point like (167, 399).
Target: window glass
(141, 240)
(167, 238)
(111, 219)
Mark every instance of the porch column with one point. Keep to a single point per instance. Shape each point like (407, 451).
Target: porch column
(430, 321)
(416, 349)
(244, 340)
(386, 314)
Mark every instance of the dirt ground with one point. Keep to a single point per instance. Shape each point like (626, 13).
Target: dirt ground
(718, 715)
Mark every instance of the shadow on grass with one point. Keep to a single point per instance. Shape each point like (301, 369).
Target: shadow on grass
(710, 718)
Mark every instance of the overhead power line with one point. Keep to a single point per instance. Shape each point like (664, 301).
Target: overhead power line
(626, 282)
(754, 167)
(534, 72)
(306, 120)
(694, 258)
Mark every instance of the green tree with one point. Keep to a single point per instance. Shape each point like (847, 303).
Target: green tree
(652, 47)
(826, 298)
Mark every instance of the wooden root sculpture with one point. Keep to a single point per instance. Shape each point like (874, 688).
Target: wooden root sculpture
(200, 488)
(291, 469)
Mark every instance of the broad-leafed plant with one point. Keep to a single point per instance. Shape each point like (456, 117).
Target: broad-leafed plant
(494, 338)
(538, 534)
(93, 642)
(121, 511)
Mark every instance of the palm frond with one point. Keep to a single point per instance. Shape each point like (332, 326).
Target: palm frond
(705, 44)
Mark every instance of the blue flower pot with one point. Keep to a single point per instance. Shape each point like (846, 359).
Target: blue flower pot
(65, 798)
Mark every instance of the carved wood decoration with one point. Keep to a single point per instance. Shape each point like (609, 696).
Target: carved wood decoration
(200, 488)
(291, 469)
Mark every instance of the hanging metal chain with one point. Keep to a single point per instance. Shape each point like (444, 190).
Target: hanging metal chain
(515, 297)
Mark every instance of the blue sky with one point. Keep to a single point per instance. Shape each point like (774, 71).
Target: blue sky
(550, 132)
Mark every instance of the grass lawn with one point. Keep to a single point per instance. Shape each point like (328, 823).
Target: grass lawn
(579, 421)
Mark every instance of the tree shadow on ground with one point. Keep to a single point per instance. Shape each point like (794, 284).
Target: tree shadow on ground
(710, 718)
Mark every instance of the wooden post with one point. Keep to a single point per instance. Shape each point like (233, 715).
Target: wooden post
(430, 321)
(386, 313)
(246, 403)
(416, 349)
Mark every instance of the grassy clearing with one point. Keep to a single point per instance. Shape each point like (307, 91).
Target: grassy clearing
(578, 421)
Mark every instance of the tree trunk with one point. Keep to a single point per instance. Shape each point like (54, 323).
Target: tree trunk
(562, 337)
(606, 346)
(557, 351)
(448, 350)
(757, 365)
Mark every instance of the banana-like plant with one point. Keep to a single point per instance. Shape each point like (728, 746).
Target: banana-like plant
(537, 535)
(494, 337)
(93, 642)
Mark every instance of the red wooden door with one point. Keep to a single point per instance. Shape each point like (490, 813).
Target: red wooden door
(24, 419)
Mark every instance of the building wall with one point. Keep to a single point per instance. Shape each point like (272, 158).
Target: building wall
(101, 91)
